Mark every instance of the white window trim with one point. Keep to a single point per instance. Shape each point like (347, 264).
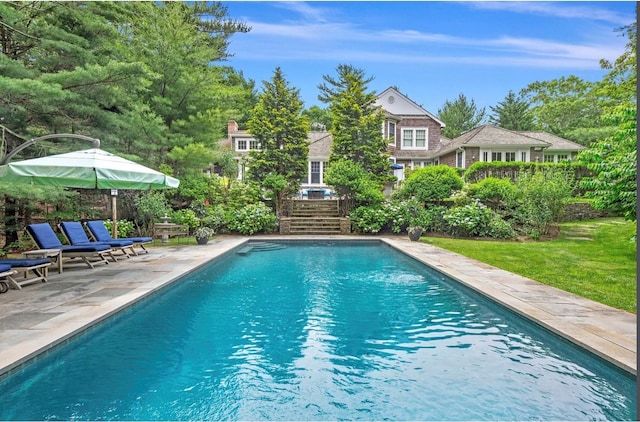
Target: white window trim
(391, 135)
(463, 153)
(518, 152)
(308, 179)
(248, 143)
(413, 139)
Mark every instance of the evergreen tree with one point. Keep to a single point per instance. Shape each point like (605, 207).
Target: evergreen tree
(356, 122)
(459, 116)
(512, 114)
(279, 127)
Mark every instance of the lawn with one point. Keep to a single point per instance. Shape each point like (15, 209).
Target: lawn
(594, 259)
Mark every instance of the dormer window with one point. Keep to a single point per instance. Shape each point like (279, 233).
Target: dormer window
(414, 138)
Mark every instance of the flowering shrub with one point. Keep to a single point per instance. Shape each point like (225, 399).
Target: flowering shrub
(369, 219)
(186, 216)
(476, 219)
(395, 216)
(251, 219)
(125, 227)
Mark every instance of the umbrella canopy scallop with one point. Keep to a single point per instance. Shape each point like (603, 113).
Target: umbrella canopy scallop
(90, 169)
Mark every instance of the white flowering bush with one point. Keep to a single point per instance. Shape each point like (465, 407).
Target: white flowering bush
(476, 219)
(251, 219)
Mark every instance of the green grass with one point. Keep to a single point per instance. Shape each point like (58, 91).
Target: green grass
(594, 259)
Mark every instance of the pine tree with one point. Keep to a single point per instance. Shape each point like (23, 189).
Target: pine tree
(512, 113)
(281, 130)
(460, 116)
(356, 122)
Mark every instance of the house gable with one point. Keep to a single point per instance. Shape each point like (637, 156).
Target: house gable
(397, 104)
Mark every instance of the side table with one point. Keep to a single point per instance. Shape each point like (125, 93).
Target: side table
(56, 254)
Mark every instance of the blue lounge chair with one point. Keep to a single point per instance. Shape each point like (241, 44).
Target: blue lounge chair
(46, 238)
(5, 273)
(99, 232)
(75, 234)
(33, 269)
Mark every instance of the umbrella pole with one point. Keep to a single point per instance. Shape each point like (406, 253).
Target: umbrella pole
(114, 216)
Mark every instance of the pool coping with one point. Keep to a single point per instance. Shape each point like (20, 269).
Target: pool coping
(41, 316)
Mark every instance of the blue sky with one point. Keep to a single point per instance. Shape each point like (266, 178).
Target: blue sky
(431, 51)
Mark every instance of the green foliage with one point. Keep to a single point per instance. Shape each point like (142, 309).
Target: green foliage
(186, 216)
(614, 160)
(502, 170)
(460, 116)
(497, 194)
(277, 123)
(429, 184)
(191, 159)
(319, 118)
(353, 184)
(151, 206)
(356, 122)
(476, 219)
(368, 219)
(542, 196)
(214, 218)
(512, 113)
(241, 194)
(251, 219)
(394, 216)
(125, 227)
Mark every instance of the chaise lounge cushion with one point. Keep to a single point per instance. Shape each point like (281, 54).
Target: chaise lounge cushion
(78, 237)
(101, 234)
(23, 263)
(46, 238)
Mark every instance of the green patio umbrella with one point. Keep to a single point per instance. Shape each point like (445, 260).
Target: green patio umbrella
(89, 169)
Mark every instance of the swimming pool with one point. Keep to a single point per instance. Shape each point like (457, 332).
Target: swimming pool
(318, 331)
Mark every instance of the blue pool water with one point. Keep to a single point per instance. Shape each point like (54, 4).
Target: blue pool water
(318, 331)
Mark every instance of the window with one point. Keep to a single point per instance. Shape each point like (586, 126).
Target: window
(487, 155)
(315, 172)
(391, 132)
(459, 159)
(247, 144)
(414, 138)
(548, 158)
(562, 157)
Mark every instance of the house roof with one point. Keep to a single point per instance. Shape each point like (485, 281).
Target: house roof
(319, 144)
(398, 104)
(491, 136)
(557, 143)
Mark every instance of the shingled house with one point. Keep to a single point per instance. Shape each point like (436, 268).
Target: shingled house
(415, 140)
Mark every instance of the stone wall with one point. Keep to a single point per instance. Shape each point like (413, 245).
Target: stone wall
(577, 211)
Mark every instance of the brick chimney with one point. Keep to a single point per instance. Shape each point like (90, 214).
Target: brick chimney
(232, 126)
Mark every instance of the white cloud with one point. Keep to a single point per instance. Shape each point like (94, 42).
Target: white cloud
(567, 10)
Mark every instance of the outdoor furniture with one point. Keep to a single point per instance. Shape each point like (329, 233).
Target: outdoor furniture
(54, 254)
(99, 232)
(5, 273)
(33, 270)
(46, 238)
(75, 234)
